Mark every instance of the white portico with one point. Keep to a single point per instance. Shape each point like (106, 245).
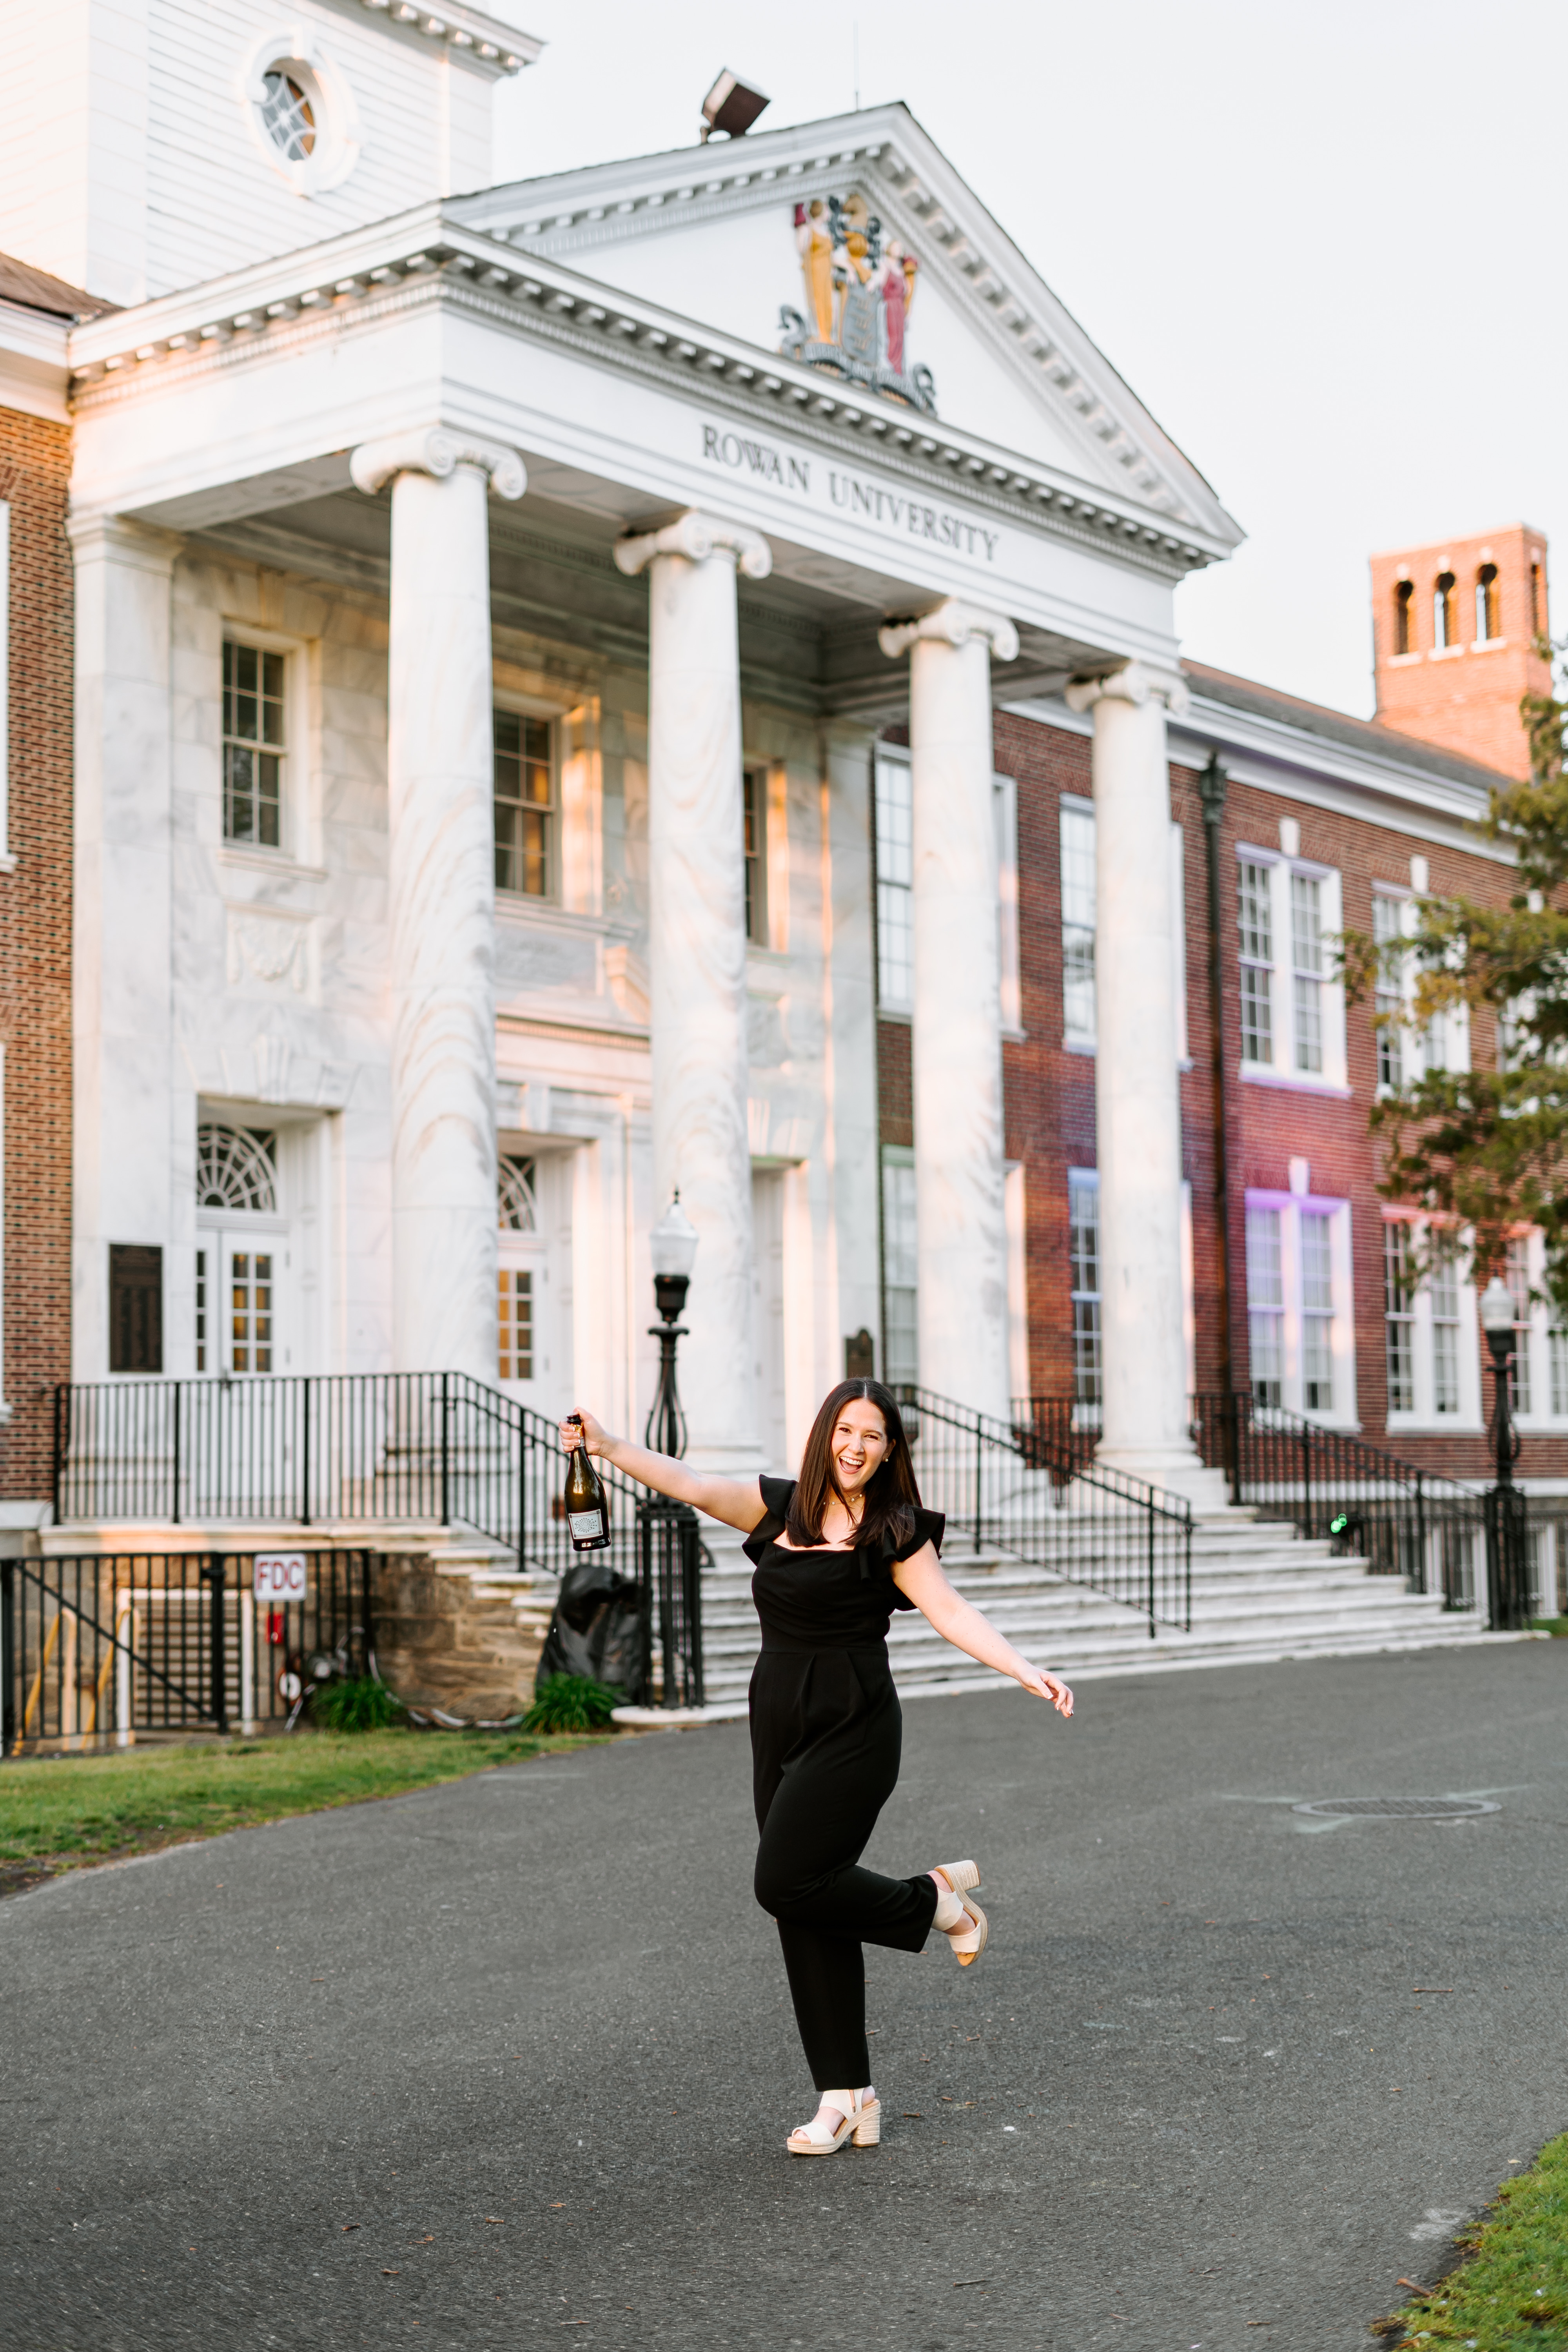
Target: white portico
(484, 630)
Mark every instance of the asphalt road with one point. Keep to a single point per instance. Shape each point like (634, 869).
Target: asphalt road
(510, 2062)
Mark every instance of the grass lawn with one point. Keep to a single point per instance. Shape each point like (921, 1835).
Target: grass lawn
(1511, 2287)
(57, 1812)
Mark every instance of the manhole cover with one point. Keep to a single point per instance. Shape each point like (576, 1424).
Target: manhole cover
(1399, 1809)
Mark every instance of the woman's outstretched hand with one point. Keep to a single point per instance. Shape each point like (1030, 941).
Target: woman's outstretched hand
(592, 1434)
(1048, 1687)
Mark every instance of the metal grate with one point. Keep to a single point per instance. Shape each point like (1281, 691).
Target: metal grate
(1398, 1809)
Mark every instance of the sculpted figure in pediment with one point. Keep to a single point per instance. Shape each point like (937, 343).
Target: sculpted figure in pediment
(857, 301)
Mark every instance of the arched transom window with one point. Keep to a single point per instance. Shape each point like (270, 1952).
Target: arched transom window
(237, 1170)
(516, 1198)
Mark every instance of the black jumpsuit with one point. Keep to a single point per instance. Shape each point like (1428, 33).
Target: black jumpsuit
(825, 1734)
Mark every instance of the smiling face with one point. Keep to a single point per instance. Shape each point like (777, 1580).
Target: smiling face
(860, 1445)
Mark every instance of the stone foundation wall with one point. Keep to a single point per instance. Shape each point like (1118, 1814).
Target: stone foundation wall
(449, 1636)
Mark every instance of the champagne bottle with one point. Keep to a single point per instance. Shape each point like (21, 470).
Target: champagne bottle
(587, 1503)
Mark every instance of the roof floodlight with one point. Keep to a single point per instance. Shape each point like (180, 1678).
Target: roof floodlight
(731, 107)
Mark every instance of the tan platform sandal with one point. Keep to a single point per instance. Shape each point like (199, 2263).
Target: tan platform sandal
(954, 1906)
(860, 2119)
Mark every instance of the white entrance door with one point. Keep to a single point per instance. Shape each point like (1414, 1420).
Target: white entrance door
(768, 1311)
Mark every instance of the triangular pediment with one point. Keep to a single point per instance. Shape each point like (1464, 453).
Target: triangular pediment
(736, 233)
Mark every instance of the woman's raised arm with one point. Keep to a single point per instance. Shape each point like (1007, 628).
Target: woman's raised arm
(738, 1502)
(920, 1579)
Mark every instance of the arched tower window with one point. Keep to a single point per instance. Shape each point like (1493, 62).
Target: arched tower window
(515, 1196)
(1445, 610)
(1489, 604)
(1537, 602)
(237, 1168)
(1403, 594)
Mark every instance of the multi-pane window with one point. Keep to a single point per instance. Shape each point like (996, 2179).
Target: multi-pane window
(1515, 1276)
(250, 1311)
(515, 1323)
(754, 820)
(1299, 1303)
(1388, 993)
(900, 1261)
(525, 810)
(1489, 604)
(894, 886)
(1266, 1306)
(1254, 917)
(1557, 1359)
(1083, 1254)
(253, 743)
(1307, 961)
(1443, 1288)
(1078, 921)
(1317, 1313)
(1399, 1317)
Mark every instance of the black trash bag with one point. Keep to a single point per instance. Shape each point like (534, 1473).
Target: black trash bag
(597, 1629)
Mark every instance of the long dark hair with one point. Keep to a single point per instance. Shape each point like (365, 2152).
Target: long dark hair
(892, 1498)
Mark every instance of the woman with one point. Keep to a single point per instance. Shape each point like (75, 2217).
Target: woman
(837, 1550)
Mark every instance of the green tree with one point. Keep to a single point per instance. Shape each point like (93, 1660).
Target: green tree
(1487, 1148)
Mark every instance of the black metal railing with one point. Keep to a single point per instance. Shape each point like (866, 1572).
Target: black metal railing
(347, 1449)
(1029, 1491)
(97, 1649)
(670, 1573)
(1402, 1520)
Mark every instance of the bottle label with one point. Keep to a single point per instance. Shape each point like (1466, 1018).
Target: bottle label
(584, 1525)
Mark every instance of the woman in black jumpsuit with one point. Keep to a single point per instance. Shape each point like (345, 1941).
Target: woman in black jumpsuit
(836, 1553)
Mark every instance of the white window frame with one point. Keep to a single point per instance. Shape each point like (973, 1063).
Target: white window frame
(1005, 804)
(294, 842)
(1076, 808)
(518, 706)
(891, 757)
(1086, 1409)
(1291, 1207)
(1423, 1414)
(1281, 1069)
(1445, 1042)
(1535, 1339)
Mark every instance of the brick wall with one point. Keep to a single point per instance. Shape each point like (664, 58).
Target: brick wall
(1049, 1090)
(35, 948)
(1464, 696)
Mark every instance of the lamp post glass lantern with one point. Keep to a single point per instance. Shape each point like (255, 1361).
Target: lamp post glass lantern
(1508, 1547)
(673, 1246)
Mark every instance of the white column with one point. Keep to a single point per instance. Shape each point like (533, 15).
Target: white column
(121, 1003)
(961, 1215)
(1138, 1110)
(697, 956)
(441, 883)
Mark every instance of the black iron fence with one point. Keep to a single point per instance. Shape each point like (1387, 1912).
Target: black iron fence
(99, 1648)
(1026, 1490)
(671, 1572)
(345, 1449)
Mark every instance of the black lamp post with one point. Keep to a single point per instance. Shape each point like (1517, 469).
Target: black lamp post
(1507, 1543)
(673, 1242)
(669, 1544)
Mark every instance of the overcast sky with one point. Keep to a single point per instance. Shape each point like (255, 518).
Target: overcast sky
(1316, 239)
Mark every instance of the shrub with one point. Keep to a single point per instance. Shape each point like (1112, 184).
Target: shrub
(355, 1702)
(572, 1703)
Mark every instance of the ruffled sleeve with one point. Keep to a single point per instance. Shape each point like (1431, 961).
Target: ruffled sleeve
(929, 1528)
(775, 1494)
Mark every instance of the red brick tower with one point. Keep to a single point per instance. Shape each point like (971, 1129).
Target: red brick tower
(1453, 631)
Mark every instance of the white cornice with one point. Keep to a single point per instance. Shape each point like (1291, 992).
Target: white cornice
(571, 215)
(34, 370)
(1274, 756)
(264, 313)
(473, 34)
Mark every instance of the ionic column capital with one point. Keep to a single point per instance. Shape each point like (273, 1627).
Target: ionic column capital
(1136, 682)
(953, 622)
(697, 536)
(437, 450)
